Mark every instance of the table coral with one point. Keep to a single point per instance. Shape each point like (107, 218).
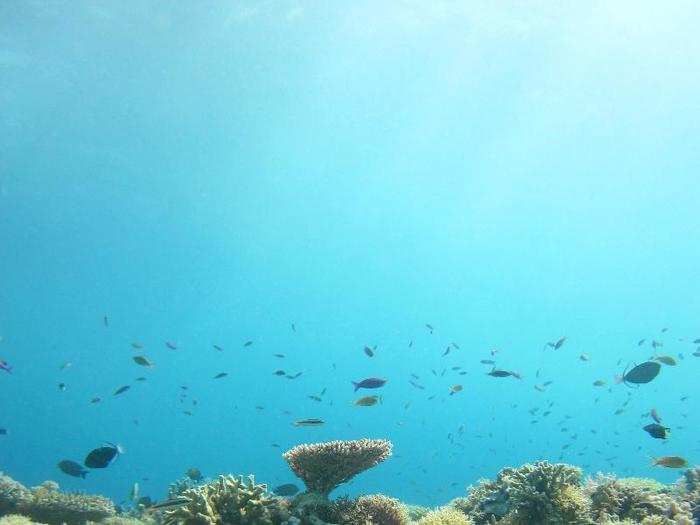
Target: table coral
(324, 466)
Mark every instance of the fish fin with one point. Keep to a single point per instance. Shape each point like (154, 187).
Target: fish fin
(357, 387)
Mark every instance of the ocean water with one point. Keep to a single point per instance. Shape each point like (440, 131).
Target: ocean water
(317, 177)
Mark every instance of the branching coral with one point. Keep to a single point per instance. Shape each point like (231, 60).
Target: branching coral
(324, 466)
(231, 501)
(444, 516)
(13, 495)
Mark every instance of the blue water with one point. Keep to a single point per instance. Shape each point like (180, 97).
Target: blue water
(213, 173)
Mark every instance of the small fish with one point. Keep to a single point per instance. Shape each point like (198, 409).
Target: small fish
(287, 490)
(62, 387)
(220, 375)
(143, 361)
(171, 345)
(95, 400)
(696, 342)
(3, 431)
(487, 362)
(140, 379)
(294, 376)
(655, 415)
(641, 342)
(666, 359)
(416, 385)
(370, 382)
(310, 422)
(279, 372)
(410, 343)
(619, 411)
(455, 345)
(248, 343)
(584, 357)
(456, 388)
(102, 456)
(4, 365)
(502, 373)
(670, 462)
(599, 382)
(315, 398)
(279, 356)
(368, 351)
(447, 351)
(429, 327)
(72, 468)
(656, 344)
(105, 320)
(121, 390)
(366, 401)
(657, 431)
(169, 504)
(136, 345)
(217, 347)
(66, 366)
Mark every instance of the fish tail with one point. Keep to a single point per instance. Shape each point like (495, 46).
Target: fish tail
(357, 386)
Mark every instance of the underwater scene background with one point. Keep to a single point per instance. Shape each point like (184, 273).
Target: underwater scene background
(276, 190)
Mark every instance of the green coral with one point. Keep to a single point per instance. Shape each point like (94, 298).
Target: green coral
(231, 501)
(445, 516)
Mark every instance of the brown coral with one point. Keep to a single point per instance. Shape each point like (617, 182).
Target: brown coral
(231, 501)
(49, 505)
(324, 466)
(376, 509)
(444, 516)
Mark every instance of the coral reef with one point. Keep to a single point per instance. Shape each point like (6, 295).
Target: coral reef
(375, 508)
(46, 504)
(324, 466)
(614, 500)
(16, 519)
(228, 500)
(688, 488)
(416, 512)
(445, 516)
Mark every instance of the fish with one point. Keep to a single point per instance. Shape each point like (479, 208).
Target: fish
(137, 345)
(294, 327)
(279, 372)
(169, 503)
(3, 431)
(502, 373)
(248, 343)
(429, 327)
(488, 362)
(657, 431)
(4, 365)
(557, 344)
(72, 468)
(599, 382)
(62, 387)
(140, 379)
(105, 320)
(194, 474)
(368, 351)
(279, 356)
(217, 347)
(286, 490)
(416, 385)
(455, 345)
(656, 344)
(655, 415)
(696, 342)
(294, 376)
(447, 351)
(309, 422)
(121, 390)
(65, 366)
(456, 388)
(95, 400)
(666, 359)
(367, 401)
(315, 398)
(696, 353)
(220, 375)
(584, 357)
(641, 342)
(641, 374)
(102, 456)
(171, 345)
(670, 462)
(370, 382)
(143, 361)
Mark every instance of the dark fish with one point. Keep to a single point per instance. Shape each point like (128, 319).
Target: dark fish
(370, 382)
(656, 344)
(121, 390)
(641, 374)
(286, 490)
(105, 320)
(559, 343)
(368, 351)
(102, 456)
(429, 327)
(655, 415)
(416, 385)
(279, 356)
(140, 379)
(169, 503)
(696, 342)
(171, 345)
(657, 431)
(294, 376)
(294, 328)
(279, 372)
(220, 375)
(315, 398)
(217, 347)
(95, 400)
(447, 351)
(410, 343)
(488, 362)
(62, 387)
(455, 345)
(3, 431)
(143, 361)
(194, 474)
(503, 373)
(136, 345)
(72, 468)
(641, 342)
(248, 343)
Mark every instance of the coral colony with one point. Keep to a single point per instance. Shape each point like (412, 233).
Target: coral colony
(538, 494)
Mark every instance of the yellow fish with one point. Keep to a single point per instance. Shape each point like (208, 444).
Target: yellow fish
(670, 462)
(456, 388)
(367, 401)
